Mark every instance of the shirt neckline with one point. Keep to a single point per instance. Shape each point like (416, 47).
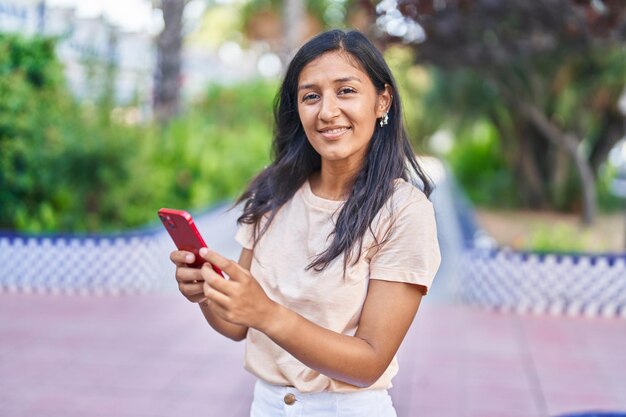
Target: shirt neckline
(317, 201)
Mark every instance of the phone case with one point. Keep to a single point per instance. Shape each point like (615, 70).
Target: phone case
(183, 231)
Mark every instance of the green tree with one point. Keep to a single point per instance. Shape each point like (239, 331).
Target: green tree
(301, 19)
(59, 162)
(31, 80)
(547, 75)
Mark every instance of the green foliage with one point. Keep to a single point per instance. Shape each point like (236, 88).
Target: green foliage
(330, 13)
(56, 163)
(478, 164)
(210, 153)
(476, 157)
(485, 153)
(65, 167)
(608, 201)
(413, 82)
(229, 106)
(558, 238)
(542, 84)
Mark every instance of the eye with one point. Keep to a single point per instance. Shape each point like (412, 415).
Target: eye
(346, 90)
(310, 97)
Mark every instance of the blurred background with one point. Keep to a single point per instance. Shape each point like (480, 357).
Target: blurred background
(112, 110)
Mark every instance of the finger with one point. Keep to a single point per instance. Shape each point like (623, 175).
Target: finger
(229, 266)
(186, 275)
(215, 280)
(191, 289)
(215, 296)
(182, 257)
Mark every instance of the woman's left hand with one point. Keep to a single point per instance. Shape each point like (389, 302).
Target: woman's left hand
(239, 299)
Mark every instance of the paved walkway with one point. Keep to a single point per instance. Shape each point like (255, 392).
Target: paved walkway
(153, 356)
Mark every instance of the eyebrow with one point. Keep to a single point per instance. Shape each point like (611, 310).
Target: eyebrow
(337, 81)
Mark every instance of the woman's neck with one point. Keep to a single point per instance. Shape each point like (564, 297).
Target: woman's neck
(333, 184)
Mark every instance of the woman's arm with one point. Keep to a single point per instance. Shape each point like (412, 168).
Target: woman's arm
(387, 314)
(360, 360)
(190, 284)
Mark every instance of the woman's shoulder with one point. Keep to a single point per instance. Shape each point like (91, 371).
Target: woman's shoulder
(406, 193)
(407, 202)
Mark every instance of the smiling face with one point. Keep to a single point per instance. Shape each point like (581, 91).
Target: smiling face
(338, 107)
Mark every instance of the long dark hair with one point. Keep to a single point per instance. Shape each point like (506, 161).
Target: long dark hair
(389, 155)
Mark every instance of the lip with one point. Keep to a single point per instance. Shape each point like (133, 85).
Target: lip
(333, 132)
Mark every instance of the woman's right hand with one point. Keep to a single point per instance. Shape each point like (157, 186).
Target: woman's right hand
(189, 279)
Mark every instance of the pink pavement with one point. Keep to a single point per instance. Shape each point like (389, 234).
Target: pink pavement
(153, 355)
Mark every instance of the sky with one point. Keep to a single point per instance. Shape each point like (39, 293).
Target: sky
(132, 15)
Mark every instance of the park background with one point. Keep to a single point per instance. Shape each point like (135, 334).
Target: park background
(103, 120)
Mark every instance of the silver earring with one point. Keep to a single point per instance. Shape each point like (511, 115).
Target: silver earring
(384, 120)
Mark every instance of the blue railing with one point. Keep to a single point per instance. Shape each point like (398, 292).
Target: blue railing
(525, 282)
(106, 264)
(495, 277)
(504, 279)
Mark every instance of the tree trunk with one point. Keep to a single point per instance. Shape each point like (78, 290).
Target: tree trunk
(168, 70)
(612, 130)
(293, 20)
(570, 144)
(561, 172)
(533, 190)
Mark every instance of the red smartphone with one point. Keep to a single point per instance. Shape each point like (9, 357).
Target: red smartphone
(183, 231)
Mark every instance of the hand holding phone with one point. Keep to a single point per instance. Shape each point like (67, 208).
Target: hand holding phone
(183, 231)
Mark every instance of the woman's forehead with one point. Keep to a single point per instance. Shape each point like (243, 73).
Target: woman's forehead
(332, 61)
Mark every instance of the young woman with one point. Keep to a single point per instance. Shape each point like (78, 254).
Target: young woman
(339, 241)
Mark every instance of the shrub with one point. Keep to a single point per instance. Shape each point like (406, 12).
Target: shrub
(479, 165)
(64, 167)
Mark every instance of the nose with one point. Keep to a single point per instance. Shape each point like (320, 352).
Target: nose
(329, 108)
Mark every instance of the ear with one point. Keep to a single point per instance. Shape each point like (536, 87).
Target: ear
(383, 103)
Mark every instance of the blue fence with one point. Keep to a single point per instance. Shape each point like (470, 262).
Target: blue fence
(134, 262)
(502, 279)
(127, 263)
(572, 284)
(497, 278)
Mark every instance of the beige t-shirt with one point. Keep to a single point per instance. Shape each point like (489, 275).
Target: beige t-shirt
(299, 232)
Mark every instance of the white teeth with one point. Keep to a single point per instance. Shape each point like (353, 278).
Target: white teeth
(334, 131)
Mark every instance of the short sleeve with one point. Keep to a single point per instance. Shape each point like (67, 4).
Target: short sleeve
(245, 235)
(410, 253)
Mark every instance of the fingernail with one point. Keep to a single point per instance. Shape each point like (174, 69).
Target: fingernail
(189, 258)
(203, 252)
